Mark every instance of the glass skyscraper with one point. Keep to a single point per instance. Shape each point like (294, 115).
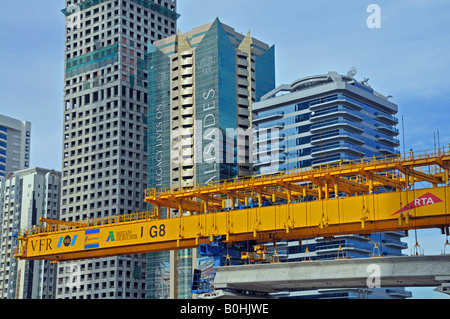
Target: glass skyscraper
(201, 85)
(324, 119)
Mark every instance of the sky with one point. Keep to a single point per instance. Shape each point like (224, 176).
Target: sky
(407, 57)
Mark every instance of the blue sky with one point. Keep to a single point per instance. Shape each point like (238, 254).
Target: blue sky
(408, 58)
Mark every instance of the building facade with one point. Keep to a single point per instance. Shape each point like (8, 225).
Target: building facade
(105, 122)
(324, 119)
(27, 195)
(202, 84)
(15, 141)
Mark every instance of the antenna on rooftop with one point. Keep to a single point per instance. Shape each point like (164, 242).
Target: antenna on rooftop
(403, 133)
(352, 72)
(439, 144)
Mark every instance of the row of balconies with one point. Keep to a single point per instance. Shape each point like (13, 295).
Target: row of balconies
(348, 148)
(392, 142)
(272, 139)
(243, 93)
(183, 92)
(263, 130)
(186, 133)
(387, 119)
(183, 183)
(338, 111)
(185, 141)
(242, 101)
(185, 161)
(387, 129)
(185, 150)
(242, 82)
(183, 82)
(334, 102)
(336, 136)
(268, 117)
(187, 101)
(184, 72)
(185, 121)
(184, 173)
(338, 116)
(185, 63)
(336, 124)
(243, 122)
(243, 111)
(337, 148)
(270, 160)
(242, 62)
(269, 150)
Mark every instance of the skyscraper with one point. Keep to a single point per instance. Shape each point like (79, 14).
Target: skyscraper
(27, 195)
(105, 123)
(201, 84)
(15, 141)
(324, 119)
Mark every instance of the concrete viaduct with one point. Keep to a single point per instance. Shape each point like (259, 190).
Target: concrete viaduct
(263, 279)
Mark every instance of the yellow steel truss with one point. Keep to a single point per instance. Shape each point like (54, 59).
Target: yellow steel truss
(364, 196)
(351, 178)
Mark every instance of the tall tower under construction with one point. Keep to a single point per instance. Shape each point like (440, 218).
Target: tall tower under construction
(104, 156)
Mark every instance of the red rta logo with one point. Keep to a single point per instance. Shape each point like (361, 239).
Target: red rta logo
(424, 200)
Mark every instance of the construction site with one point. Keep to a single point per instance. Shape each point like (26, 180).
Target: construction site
(236, 220)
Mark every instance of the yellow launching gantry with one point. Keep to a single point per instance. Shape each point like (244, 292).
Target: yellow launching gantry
(365, 196)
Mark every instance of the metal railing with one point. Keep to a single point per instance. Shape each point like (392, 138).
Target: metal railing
(110, 220)
(298, 172)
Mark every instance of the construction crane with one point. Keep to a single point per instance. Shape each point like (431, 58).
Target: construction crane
(356, 197)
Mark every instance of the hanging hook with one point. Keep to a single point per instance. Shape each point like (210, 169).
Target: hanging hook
(417, 249)
(307, 257)
(376, 252)
(446, 244)
(228, 260)
(340, 254)
(275, 258)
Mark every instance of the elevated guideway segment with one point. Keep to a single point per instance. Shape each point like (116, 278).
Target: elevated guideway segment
(411, 271)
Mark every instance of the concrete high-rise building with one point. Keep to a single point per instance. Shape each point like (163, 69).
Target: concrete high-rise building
(201, 84)
(326, 119)
(104, 169)
(27, 195)
(15, 138)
